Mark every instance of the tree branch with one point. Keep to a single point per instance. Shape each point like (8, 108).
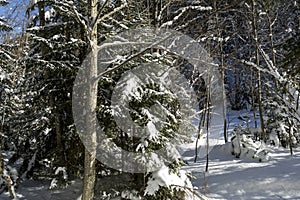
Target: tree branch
(99, 19)
(131, 58)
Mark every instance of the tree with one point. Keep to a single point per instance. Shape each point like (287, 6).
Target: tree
(280, 93)
(259, 85)
(222, 69)
(3, 24)
(91, 100)
(256, 51)
(95, 16)
(41, 126)
(6, 101)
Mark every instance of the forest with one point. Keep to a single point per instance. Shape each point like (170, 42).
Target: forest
(149, 99)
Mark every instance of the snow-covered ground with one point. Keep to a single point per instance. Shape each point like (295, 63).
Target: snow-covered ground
(232, 178)
(228, 177)
(39, 190)
(246, 178)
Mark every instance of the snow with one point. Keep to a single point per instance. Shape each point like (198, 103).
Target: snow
(232, 178)
(2, 77)
(164, 178)
(184, 10)
(39, 190)
(133, 195)
(47, 15)
(55, 182)
(152, 131)
(228, 178)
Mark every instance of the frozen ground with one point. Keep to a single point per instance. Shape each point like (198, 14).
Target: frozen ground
(38, 190)
(231, 178)
(228, 177)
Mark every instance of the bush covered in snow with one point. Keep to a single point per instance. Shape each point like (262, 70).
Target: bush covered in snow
(165, 184)
(60, 180)
(243, 146)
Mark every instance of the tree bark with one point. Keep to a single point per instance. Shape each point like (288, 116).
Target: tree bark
(298, 101)
(201, 125)
(290, 137)
(272, 47)
(254, 22)
(58, 126)
(207, 123)
(222, 76)
(90, 120)
(41, 7)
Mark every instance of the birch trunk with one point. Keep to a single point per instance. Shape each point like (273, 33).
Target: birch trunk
(90, 120)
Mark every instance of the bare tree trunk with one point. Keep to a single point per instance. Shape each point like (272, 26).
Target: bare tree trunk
(222, 75)
(1, 141)
(207, 126)
(10, 186)
(90, 120)
(3, 173)
(41, 7)
(290, 137)
(155, 13)
(224, 106)
(254, 22)
(201, 125)
(253, 96)
(270, 24)
(207, 110)
(252, 92)
(298, 101)
(58, 126)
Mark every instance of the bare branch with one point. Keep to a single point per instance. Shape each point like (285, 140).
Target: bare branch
(100, 19)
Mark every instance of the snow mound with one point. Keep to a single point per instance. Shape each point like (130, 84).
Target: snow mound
(242, 146)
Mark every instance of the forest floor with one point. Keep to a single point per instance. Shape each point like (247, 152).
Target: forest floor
(242, 178)
(232, 178)
(227, 178)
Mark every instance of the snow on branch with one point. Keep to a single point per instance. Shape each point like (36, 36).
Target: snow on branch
(132, 57)
(118, 23)
(270, 64)
(6, 54)
(270, 71)
(4, 26)
(183, 10)
(100, 19)
(3, 2)
(167, 4)
(113, 44)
